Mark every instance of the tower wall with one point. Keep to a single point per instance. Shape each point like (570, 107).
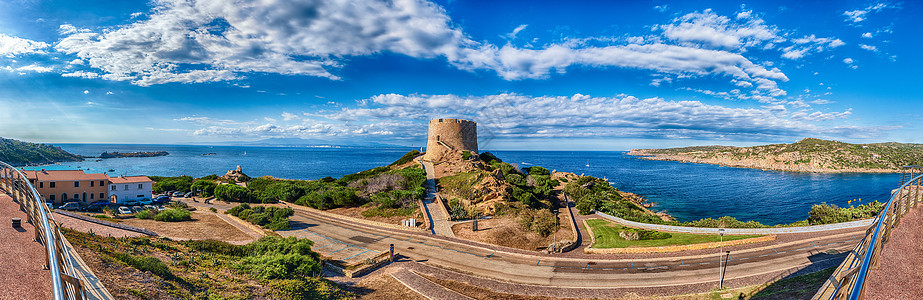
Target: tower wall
(459, 134)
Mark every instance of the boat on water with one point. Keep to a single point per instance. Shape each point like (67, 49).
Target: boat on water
(213, 153)
(111, 170)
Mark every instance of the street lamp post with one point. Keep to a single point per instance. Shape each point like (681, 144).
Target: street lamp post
(721, 270)
(721, 283)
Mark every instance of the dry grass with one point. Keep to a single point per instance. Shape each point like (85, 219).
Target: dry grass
(356, 212)
(202, 227)
(505, 231)
(382, 286)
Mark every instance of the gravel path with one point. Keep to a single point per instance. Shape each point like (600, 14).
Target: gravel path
(441, 224)
(898, 275)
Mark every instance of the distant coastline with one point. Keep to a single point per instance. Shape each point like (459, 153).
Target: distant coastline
(130, 154)
(808, 155)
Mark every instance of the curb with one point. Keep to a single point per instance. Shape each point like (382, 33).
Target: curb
(106, 223)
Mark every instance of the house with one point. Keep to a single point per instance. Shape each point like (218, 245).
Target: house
(60, 186)
(125, 188)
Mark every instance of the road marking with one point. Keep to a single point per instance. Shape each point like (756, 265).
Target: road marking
(812, 243)
(539, 262)
(354, 255)
(491, 254)
(774, 249)
(344, 248)
(324, 246)
(680, 262)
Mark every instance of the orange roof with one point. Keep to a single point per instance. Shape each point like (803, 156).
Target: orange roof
(129, 179)
(64, 175)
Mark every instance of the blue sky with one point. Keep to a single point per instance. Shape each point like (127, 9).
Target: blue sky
(535, 75)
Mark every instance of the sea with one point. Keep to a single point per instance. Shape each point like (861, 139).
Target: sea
(687, 191)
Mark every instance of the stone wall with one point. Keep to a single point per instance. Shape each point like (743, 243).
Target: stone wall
(772, 230)
(460, 135)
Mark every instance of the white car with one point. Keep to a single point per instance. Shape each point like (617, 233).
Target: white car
(124, 210)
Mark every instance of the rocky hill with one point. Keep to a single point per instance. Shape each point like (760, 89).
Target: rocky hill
(807, 155)
(19, 153)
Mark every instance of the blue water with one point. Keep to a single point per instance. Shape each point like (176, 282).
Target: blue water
(686, 191)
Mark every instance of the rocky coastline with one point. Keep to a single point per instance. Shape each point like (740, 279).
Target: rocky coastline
(772, 162)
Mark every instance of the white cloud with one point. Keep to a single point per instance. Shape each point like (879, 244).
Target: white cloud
(86, 92)
(81, 74)
(512, 35)
(109, 93)
(867, 35)
(868, 47)
(216, 40)
(11, 46)
(661, 8)
(35, 68)
(709, 29)
(848, 60)
(808, 44)
(859, 15)
(289, 116)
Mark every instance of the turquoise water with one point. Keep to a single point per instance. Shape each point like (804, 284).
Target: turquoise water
(686, 191)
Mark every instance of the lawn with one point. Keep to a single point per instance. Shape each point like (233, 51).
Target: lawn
(607, 236)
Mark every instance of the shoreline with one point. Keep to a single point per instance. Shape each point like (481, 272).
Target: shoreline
(643, 154)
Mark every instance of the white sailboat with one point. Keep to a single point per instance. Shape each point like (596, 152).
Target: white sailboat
(587, 162)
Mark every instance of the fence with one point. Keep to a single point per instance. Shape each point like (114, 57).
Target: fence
(847, 281)
(64, 283)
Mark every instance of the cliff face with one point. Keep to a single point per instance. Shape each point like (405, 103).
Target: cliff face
(807, 155)
(19, 153)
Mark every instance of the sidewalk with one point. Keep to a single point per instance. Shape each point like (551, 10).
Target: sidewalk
(898, 274)
(21, 263)
(441, 224)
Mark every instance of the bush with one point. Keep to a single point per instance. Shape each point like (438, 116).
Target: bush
(218, 247)
(540, 221)
(146, 214)
(204, 188)
(269, 217)
(274, 257)
(173, 215)
(232, 193)
(466, 155)
(180, 183)
(145, 263)
(212, 209)
(536, 170)
(828, 213)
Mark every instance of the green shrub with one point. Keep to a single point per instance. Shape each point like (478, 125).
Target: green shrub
(269, 217)
(146, 214)
(204, 188)
(536, 170)
(173, 215)
(145, 263)
(540, 221)
(466, 155)
(232, 193)
(212, 209)
(273, 257)
(219, 247)
(179, 183)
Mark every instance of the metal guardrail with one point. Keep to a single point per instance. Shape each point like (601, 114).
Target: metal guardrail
(847, 281)
(64, 283)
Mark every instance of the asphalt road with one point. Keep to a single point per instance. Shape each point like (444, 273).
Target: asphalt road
(358, 242)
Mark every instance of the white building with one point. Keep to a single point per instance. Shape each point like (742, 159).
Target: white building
(125, 188)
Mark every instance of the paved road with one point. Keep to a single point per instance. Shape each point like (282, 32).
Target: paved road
(575, 272)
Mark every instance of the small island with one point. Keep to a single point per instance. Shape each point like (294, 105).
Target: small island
(808, 155)
(133, 154)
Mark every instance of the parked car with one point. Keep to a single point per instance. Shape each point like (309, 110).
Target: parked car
(187, 195)
(70, 206)
(177, 194)
(50, 205)
(162, 199)
(124, 210)
(131, 202)
(146, 201)
(95, 206)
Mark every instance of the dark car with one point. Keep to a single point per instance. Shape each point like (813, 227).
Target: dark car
(162, 199)
(96, 206)
(131, 202)
(70, 206)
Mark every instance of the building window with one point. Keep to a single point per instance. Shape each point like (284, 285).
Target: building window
(92, 183)
(140, 186)
(52, 184)
(140, 196)
(76, 197)
(41, 185)
(126, 187)
(101, 196)
(102, 183)
(76, 183)
(51, 197)
(113, 187)
(91, 195)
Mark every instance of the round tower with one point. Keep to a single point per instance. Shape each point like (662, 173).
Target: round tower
(448, 135)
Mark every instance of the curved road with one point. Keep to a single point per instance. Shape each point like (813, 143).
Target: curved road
(766, 260)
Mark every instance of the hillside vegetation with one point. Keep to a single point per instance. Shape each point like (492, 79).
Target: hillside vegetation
(19, 153)
(807, 155)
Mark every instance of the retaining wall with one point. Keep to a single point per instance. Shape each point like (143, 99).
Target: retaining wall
(772, 230)
(352, 219)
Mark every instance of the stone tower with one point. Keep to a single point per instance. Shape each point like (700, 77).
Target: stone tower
(446, 135)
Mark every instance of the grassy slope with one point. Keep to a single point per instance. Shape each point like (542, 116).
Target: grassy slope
(19, 153)
(830, 154)
(607, 236)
